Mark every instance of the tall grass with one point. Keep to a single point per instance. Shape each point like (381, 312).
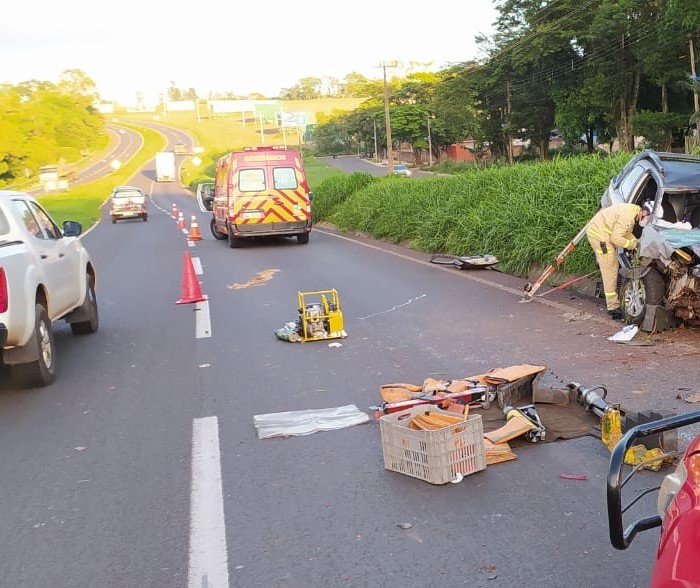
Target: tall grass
(523, 214)
(333, 192)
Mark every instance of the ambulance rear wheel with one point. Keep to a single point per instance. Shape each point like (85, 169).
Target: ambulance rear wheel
(303, 239)
(219, 236)
(233, 241)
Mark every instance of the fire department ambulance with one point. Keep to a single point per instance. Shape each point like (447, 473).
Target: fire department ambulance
(260, 191)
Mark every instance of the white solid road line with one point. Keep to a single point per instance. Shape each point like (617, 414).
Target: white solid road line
(197, 265)
(202, 328)
(208, 564)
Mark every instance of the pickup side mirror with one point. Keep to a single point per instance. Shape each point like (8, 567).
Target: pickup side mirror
(72, 228)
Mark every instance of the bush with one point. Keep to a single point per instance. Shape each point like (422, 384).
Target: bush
(523, 214)
(334, 191)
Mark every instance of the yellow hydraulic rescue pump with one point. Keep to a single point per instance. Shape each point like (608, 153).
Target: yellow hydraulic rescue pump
(320, 316)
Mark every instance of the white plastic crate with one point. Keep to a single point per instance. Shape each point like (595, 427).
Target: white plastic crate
(437, 456)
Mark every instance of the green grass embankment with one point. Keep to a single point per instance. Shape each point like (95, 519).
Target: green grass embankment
(523, 214)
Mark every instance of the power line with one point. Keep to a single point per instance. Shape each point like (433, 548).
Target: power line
(595, 56)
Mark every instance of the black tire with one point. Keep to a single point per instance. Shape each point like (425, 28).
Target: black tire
(233, 242)
(114, 221)
(219, 236)
(303, 238)
(145, 217)
(90, 305)
(43, 371)
(635, 294)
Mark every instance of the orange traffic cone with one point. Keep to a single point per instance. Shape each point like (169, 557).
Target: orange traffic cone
(194, 234)
(191, 291)
(181, 222)
(174, 212)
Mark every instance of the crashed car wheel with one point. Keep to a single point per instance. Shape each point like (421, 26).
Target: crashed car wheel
(636, 293)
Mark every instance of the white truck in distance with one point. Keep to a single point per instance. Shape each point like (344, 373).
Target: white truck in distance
(45, 275)
(165, 166)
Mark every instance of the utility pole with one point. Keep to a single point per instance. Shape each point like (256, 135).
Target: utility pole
(374, 120)
(695, 87)
(387, 118)
(508, 112)
(430, 145)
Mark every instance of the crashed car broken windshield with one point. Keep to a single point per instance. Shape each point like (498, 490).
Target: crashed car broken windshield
(666, 272)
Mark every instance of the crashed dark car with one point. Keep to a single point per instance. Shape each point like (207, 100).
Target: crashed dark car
(666, 271)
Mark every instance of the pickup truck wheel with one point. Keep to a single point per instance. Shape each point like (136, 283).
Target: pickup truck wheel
(218, 235)
(90, 305)
(43, 371)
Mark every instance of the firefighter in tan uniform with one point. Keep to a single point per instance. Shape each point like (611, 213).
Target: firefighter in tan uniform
(609, 229)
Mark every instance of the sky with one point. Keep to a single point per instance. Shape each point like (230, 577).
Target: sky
(234, 46)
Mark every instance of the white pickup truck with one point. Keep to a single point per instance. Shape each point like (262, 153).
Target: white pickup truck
(45, 275)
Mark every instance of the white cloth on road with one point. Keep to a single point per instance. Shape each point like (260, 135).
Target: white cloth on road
(306, 422)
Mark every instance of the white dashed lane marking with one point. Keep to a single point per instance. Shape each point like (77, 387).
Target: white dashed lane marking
(208, 556)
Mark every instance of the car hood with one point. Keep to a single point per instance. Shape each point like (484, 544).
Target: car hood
(659, 243)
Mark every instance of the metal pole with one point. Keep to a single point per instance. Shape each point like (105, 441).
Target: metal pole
(430, 145)
(695, 83)
(301, 138)
(387, 121)
(509, 136)
(374, 120)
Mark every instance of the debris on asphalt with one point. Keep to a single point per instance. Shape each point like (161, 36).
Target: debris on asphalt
(573, 476)
(625, 334)
(691, 397)
(259, 279)
(482, 260)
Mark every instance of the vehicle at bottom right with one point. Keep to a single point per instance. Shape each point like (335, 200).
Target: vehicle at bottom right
(678, 506)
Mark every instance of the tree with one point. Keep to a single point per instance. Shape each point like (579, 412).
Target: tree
(44, 123)
(174, 93)
(305, 89)
(76, 83)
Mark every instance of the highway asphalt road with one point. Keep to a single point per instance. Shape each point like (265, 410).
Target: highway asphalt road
(141, 466)
(353, 163)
